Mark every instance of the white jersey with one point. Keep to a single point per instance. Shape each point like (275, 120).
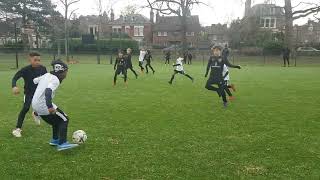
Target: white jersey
(142, 54)
(225, 71)
(179, 64)
(39, 100)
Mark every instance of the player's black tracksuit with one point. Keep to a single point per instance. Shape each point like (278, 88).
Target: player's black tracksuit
(28, 73)
(286, 56)
(215, 66)
(148, 58)
(129, 64)
(190, 58)
(120, 67)
(167, 57)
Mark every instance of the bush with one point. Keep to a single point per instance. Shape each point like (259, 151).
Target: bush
(273, 47)
(77, 46)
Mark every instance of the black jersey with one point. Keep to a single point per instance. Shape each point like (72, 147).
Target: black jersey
(168, 55)
(215, 66)
(128, 60)
(29, 73)
(148, 58)
(120, 63)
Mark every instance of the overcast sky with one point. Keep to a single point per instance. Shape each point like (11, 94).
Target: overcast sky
(218, 11)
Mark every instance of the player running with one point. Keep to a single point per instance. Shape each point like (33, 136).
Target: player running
(48, 111)
(28, 73)
(215, 66)
(129, 62)
(167, 57)
(227, 85)
(120, 67)
(148, 58)
(179, 70)
(141, 59)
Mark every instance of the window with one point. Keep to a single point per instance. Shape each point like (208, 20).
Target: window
(116, 29)
(273, 23)
(138, 30)
(190, 34)
(267, 23)
(272, 11)
(162, 33)
(215, 37)
(127, 29)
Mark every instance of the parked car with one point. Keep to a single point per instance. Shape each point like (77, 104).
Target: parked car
(307, 49)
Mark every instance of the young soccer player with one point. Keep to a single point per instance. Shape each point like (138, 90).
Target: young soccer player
(216, 80)
(179, 70)
(48, 111)
(28, 73)
(225, 52)
(167, 57)
(286, 56)
(227, 85)
(120, 67)
(189, 57)
(148, 58)
(129, 62)
(141, 59)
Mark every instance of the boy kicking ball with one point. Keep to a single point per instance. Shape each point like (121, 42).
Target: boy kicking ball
(179, 70)
(48, 111)
(28, 73)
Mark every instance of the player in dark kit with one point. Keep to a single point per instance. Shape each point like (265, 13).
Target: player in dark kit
(190, 58)
(167, 57)
(286, 56)
(148, 58)
(129, 62)
(216, 80)
(120, 67)
(28, 73)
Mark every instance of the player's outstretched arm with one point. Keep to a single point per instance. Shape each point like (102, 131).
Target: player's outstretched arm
(227, 63)
(15, 78)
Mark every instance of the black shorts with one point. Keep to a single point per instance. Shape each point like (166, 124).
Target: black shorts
(56, 118)
(121, 70)
(179, 72)
(214, 81)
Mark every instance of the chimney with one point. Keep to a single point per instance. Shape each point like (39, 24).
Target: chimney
(157, 17)
(248, 8)
(152, 16)
(112, 15)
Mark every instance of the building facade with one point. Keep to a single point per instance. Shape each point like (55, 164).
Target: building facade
(167, 30)
(217, 34)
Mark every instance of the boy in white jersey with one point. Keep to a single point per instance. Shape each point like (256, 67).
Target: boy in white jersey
(48, 111)
(227, 85)
(141, 59)
(179, 70)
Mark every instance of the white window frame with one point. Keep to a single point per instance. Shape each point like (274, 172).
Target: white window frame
(189, 34)
(138, 31)
(162, 34)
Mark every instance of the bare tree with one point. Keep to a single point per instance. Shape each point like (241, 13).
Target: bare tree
(291, 15)
(180, 8)
(67, 4)
(130, 9)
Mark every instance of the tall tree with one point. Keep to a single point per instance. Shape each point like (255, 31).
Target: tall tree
(291, 15)
(35, 11)
(180, 8)
(67, 14)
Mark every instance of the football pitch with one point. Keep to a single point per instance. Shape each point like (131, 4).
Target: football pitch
(153, 130)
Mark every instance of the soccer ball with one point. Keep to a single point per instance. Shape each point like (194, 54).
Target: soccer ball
(79, 137)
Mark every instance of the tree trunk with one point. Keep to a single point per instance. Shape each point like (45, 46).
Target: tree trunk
(66, 33)
(289, 25)
(184, 32)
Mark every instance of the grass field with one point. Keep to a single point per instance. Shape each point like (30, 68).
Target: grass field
(152, 130)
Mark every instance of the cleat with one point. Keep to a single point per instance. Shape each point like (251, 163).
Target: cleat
(233, 87)
(17, 132)
(54, 142)
(37, 118)
(231, 98)
(154, 72)
(66, 146)
(225, 104)
(170, 82)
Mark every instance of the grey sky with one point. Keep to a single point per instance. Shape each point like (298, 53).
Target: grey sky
(218, 11)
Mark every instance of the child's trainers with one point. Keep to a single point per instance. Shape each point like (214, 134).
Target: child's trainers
(231, 98)
(54, 142)
(66, 146)
(233, 87)
(37, 118)
(225, 104)
(17, 132)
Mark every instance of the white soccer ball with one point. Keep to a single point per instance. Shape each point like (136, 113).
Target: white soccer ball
(79, 137)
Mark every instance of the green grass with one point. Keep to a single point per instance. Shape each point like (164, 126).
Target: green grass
(151, 130)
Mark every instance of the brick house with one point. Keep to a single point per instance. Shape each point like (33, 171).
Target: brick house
(268, 16)
(167, 30)
(308, 33)
(217, 34)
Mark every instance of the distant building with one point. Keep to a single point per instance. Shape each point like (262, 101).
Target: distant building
(167, 30)
(268, 16)
(136, 26)
(308, 33)
(217, 34)
(90, 24)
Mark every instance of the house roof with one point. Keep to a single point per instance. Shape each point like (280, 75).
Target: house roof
(264, 10)
(172, 23)
(131, 19)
